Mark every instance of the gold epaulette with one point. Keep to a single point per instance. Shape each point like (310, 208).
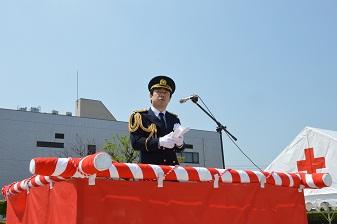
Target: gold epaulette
(135, 122)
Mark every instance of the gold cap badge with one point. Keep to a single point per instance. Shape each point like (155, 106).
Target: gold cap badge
(162, 82)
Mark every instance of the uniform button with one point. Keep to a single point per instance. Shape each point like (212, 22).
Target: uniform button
(164, 160)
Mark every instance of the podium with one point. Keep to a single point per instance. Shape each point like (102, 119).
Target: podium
(87, 190)
(123, 201)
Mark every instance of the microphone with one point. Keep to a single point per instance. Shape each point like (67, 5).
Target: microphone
(192, 97)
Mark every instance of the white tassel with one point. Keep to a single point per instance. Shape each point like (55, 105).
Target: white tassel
(92, 180)
(216, 181)
(160, 180)
(263, 181)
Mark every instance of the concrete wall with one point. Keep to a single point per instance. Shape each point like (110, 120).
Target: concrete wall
(93, 109)
(20, 131)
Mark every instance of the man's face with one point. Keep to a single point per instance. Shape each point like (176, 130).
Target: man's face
(160, 98)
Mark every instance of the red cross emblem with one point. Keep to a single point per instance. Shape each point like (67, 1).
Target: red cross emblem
(310, 164)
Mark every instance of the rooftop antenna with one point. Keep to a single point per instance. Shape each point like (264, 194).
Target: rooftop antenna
(77, 90)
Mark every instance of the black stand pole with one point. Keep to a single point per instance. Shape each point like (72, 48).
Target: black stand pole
(219, 129)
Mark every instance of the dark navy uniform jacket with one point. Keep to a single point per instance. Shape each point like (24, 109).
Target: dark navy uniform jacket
(145, 129)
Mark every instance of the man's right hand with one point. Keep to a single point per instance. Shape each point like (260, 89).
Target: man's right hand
(166, 141)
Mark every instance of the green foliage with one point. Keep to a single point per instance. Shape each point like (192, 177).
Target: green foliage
(120, 149)
(319, 217)
(180, 157)
(3, 206)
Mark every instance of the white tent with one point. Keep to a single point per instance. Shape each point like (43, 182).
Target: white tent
(313, 150)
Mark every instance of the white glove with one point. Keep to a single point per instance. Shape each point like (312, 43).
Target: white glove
(167, 141)
(179, 141)
(175, 126)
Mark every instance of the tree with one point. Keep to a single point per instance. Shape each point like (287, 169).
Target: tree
(78, 148)
(180, 157)
(120, 149)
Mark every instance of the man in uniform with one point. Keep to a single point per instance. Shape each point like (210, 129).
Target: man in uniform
(150, 129)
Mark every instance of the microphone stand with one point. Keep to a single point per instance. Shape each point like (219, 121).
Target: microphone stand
(219, 129)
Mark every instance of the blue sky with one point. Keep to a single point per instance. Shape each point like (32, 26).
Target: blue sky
(266, 69)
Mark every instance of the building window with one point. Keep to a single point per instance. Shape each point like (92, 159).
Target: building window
(189, 157)
(59, 135)
(49, 144)
(91, 149)
(188, 146)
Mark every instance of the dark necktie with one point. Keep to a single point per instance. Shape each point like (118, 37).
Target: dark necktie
(162, 119)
